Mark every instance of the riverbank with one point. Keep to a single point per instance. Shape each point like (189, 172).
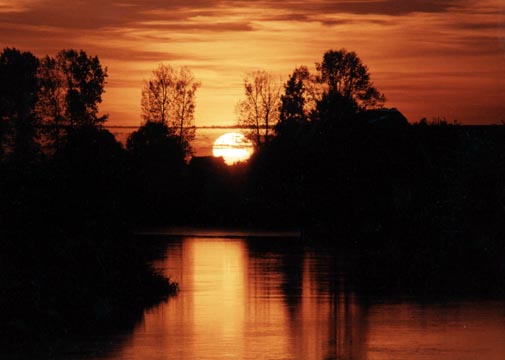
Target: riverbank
(69, 262)
(77, 286)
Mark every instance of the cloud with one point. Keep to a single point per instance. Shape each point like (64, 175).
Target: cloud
(390, 7)
(198, 26)
(129, 54)
(98, 14)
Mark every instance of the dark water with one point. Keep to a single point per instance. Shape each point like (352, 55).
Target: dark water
(272, 298)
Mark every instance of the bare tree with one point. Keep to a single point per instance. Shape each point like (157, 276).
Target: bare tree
(169, 97)
(259, 111)
(183, 106)
(156, 94)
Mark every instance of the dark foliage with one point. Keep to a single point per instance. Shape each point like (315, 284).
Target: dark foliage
(293, 112)
(18, 96)
(420, 207)
(156, 175)
(346, 76)
(85, 79)
(68, 259)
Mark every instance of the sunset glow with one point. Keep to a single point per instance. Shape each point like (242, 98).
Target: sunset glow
(430, 58)
(233, 147)
(260, 179)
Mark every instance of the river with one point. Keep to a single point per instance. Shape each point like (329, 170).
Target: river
(271, 297)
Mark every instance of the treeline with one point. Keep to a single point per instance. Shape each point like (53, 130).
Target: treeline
(416, 208)
(68, 256)
(419, 207)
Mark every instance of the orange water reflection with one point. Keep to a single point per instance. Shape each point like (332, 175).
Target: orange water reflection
(242, 301)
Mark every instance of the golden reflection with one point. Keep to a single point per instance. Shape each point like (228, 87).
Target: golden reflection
(266, 310)
(218, 288)
(240, 301)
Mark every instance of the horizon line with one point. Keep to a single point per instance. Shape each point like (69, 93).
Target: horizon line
(196, 127)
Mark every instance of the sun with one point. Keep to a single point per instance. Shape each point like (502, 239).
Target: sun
(233, 147)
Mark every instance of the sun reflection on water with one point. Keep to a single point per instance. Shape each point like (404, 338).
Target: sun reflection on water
(241, 300)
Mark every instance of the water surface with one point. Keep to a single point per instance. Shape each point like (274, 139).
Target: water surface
(273, 298)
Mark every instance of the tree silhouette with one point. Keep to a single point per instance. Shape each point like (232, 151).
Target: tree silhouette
(154, 143)
(85, 81)
(51, 104)
(157, 162)
(295, 102)
(18, 96)
(348, 78)
(260, 108)
(184, 107)
(157, 93)
(71, 88)
(168, 97)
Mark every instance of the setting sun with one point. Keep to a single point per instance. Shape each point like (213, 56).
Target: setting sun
(233, 147)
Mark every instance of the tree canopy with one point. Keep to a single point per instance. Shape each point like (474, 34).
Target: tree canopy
(85, 80)
(71, 88)
(296, 101)
(168, 97)
(154, 143)
(18, 95)
(347, 77)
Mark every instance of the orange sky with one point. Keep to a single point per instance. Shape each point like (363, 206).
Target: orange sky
(430, 57)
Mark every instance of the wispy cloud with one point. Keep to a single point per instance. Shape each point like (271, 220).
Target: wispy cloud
(426, 55)
(96, 14)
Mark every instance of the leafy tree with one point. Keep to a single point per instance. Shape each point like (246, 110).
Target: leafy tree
(295, 102)
(52, 99)
(168, 97)
(348, 78)
(260, 109)
(157, 162)
(85, 80)
(71, 88)
(154, 143)
(18, 96)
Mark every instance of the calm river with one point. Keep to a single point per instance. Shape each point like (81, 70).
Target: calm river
(272, 298)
